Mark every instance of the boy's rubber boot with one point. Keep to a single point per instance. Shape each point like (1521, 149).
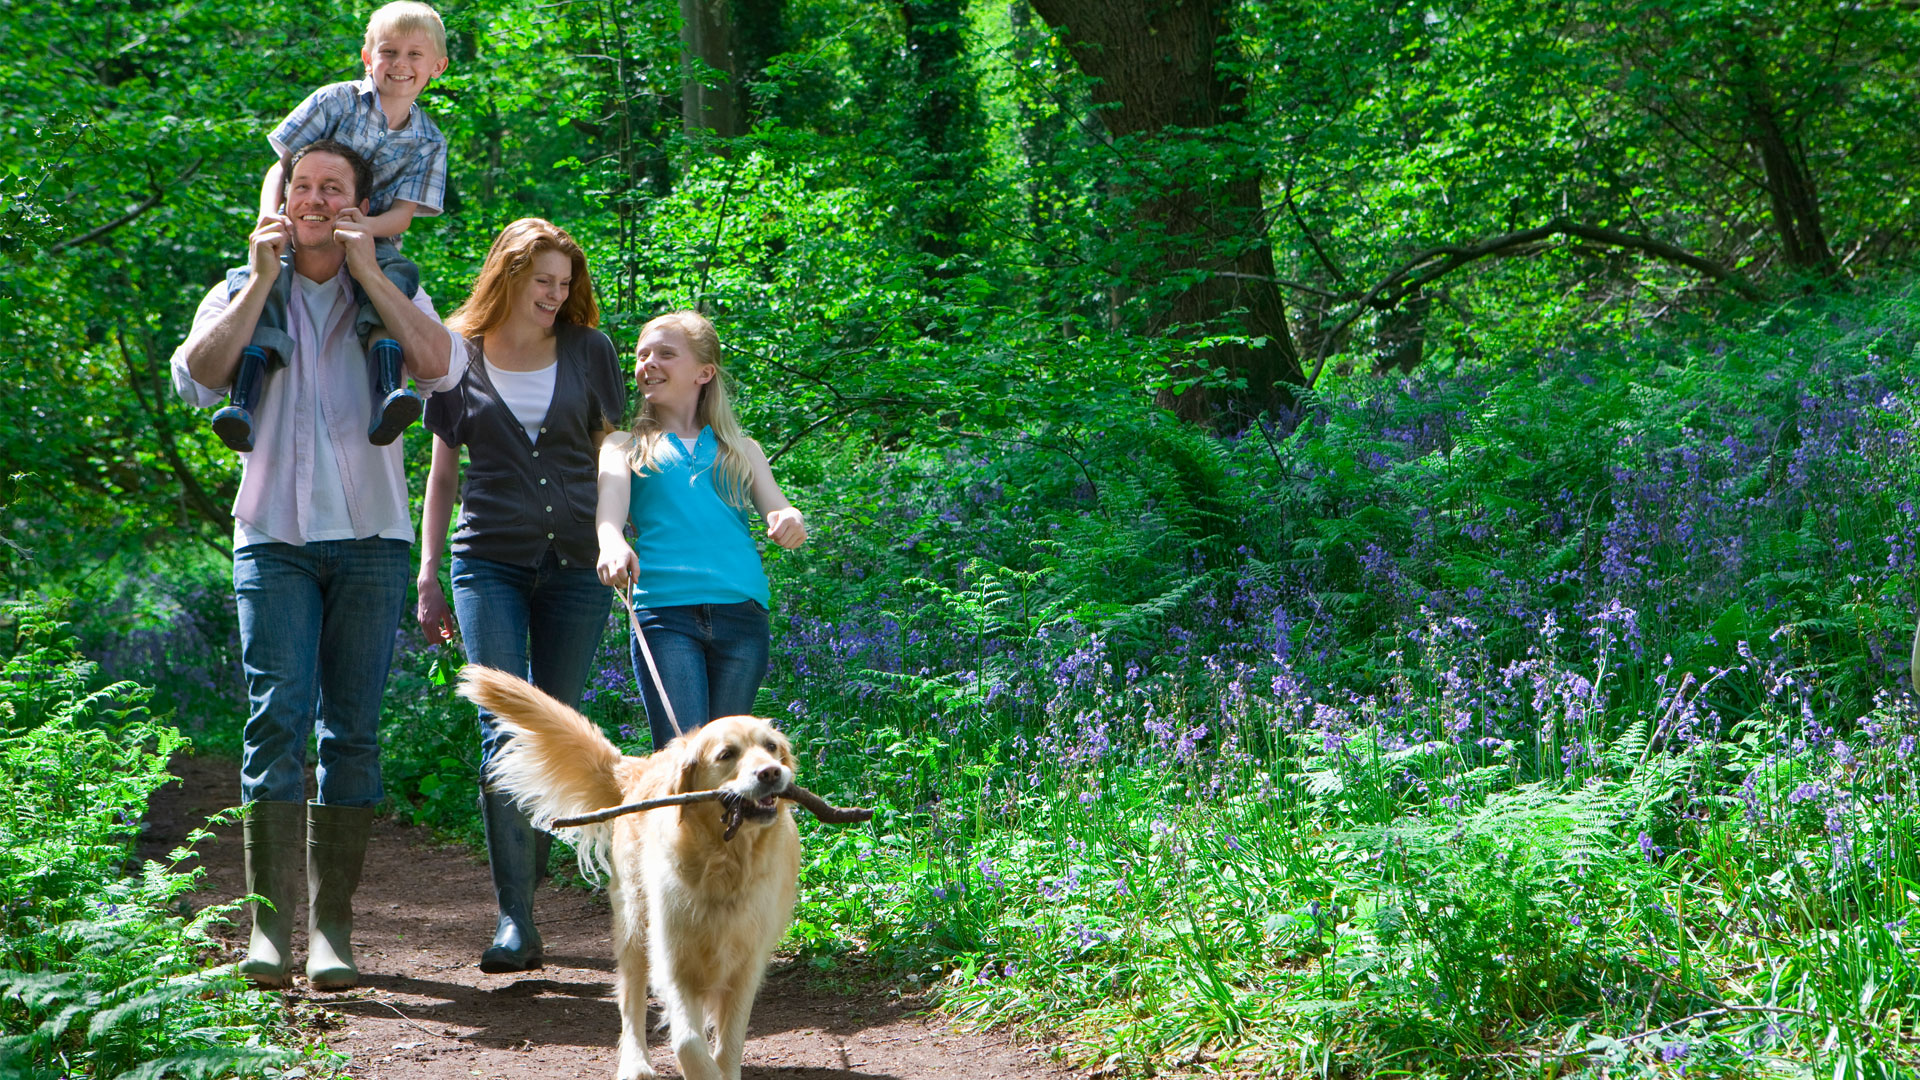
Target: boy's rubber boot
(336, 850)
(394, 406)
(510, 852)
(234, 422)
(272, 832)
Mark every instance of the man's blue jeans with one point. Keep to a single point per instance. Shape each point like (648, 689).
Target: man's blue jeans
(712, 658)
(317, 624)
(540, 623)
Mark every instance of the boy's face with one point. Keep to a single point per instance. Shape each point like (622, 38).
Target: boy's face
(401, 62)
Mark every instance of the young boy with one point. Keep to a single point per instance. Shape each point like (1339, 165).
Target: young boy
(380, 117)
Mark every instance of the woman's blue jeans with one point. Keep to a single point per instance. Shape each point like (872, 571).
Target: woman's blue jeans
(712, 658)
(540, 623)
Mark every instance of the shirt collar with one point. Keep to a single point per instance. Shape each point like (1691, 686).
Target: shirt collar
(341, 281)
(364, 88)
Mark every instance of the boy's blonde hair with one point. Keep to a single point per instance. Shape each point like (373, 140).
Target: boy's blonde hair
(648, 452)
(408, 17)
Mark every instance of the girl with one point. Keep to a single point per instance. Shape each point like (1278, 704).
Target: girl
(685, 475)
(542, 389)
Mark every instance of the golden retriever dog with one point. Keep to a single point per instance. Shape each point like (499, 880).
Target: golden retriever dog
(695, 914)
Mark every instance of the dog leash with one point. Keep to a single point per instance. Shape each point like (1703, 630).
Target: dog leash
(633, 620)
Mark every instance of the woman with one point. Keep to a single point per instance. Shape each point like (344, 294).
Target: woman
(685, 477)
(542, 389)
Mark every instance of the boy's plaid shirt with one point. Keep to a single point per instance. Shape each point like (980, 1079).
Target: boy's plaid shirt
(409, 164)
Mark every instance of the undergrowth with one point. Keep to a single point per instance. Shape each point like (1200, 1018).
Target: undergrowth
(1538, 718)
(1544, 718)
(100, 973)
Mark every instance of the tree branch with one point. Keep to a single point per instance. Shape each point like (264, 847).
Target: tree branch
(159, 193)
(1299, 286)
(1293, 208)
(196, 495)
(1438, 261)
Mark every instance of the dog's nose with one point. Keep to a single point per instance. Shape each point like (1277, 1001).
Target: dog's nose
(771, 775)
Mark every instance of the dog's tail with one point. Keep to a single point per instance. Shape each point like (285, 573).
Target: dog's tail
(557, 764)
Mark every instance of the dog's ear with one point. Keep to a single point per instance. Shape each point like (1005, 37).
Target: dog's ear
(686, 764)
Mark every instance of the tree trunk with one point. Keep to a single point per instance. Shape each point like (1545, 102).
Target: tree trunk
(1790, 192)
(1035, 132)
(706, 35)
(760, 34)
(943, 119)
(1157, 71)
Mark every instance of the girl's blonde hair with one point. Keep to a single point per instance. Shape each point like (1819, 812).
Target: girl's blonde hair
(648, 452)
(508, 263)
(408, 17)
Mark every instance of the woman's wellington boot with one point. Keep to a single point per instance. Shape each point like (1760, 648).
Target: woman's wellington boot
(510, 852)
(336, 850)
(271, 834)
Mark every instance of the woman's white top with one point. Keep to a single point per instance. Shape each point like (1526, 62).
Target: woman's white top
(527, 394)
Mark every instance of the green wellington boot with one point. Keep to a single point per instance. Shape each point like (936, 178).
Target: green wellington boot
(512, 850)
(272, 832)
(336, 850)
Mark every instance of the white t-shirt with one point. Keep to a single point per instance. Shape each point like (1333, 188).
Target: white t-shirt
(527, 394)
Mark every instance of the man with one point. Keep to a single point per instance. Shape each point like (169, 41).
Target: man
(321, 549)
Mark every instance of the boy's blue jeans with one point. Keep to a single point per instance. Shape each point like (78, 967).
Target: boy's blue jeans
(712, 658)
(540, 623)
(317, 624)
(270, 333)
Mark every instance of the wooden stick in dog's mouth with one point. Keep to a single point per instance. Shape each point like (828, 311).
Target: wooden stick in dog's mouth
(814, 804)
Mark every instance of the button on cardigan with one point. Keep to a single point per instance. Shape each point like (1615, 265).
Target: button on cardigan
(519, 497)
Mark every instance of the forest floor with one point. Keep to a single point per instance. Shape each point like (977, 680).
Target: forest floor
(424, 1009)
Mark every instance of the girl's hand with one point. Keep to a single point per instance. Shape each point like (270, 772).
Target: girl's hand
(436, 620)
(618, 565)
(787, 528)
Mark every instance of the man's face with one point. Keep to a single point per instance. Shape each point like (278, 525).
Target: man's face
(321, 186)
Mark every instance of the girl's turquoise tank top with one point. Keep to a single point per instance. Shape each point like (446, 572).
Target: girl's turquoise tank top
(693, 547)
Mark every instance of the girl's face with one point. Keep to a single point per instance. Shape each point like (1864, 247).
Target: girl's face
(666, 369)
(543, 292)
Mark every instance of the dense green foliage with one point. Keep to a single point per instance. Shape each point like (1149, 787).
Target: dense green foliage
(904, 237)
(1534, 712)
(99, 974)
(1553, 711)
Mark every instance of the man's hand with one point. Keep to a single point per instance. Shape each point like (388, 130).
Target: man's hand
(618, 565)
(351, 233)
(787, 528)
(267, 245)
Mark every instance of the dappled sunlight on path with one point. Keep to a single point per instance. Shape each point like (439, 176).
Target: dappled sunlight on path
(424, 1009)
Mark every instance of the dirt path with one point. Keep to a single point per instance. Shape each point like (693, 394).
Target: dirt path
(424, 1009)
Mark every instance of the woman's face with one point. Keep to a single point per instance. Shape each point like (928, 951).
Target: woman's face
(543, 292)
(666, 369)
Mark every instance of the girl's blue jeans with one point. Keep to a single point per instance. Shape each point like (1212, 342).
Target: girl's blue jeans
(712, 658)
(541, 623)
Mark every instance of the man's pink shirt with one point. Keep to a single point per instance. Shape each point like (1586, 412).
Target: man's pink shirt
(276, 479)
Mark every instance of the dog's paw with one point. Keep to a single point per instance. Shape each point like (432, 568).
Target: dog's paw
(634, 1065)
(643, 1072)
